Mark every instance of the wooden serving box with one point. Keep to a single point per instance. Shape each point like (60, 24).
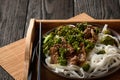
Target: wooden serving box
(32, 37)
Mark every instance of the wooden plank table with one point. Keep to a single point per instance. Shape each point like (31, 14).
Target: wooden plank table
(15, 16)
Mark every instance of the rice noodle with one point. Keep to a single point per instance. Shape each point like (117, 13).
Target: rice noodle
(99, 63)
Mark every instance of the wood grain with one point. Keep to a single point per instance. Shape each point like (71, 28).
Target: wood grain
(57, 9)
(12, 20)
(4, 75)
(12, 59)
(16, 14)
(49, 9)
(99, 9)
(34, 11)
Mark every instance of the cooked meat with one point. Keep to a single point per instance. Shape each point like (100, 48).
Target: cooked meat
(63, 40)
(54, 55)
(94, 36)
(54, 58)
(82, 56)
(74, 60)
(90, 34)
(87, 33)
(77, 58)
(69, 48)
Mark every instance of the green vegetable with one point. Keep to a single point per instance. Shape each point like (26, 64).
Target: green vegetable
(64, 31)
(62, 60)
(48, 42)
(101, 52)
(107, 31)
(70, 38)
(81, 26)
(88, 45)
(57, 40)
(47, 45)
(107, 40)
(62, 51)
(75, 45)
(50, 36)
(97, 30)
(86, 66)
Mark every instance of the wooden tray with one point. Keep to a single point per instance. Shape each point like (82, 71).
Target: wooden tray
(12, 57)
(47, 25)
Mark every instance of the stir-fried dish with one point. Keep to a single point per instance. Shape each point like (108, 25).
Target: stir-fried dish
(81, 50)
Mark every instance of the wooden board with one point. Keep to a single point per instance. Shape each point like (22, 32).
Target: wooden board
(12, 58)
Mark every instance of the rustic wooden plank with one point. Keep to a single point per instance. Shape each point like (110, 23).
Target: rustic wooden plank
(34, 11)
(57, 9)
(12, 20)
(49, 9)
(99, 9)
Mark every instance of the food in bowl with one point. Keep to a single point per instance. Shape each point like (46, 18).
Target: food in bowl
(81, 50)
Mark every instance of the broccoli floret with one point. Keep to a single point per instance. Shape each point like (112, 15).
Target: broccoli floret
(101, 52)
(86, 66)
(62, 60)
(64, 30)
(76, 45)
(107, 40)
(97, 30)
(48, 42)
(62, 52)
(88, 45)
(81, 26)
(57, 40)
(48, 37)
(47, 45)
(70, 38)
(107, 31)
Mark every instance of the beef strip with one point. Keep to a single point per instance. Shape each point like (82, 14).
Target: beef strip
(69, 48)
(94, 36)
(54, 55)
(77, 58)
(82, 55)
(90, 34)
(63, 40)
(74, 60)
(87, 33)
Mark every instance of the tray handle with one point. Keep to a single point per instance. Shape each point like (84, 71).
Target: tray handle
(29, 44)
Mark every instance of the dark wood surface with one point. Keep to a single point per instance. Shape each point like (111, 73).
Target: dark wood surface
(4, 75)
(16, 14)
